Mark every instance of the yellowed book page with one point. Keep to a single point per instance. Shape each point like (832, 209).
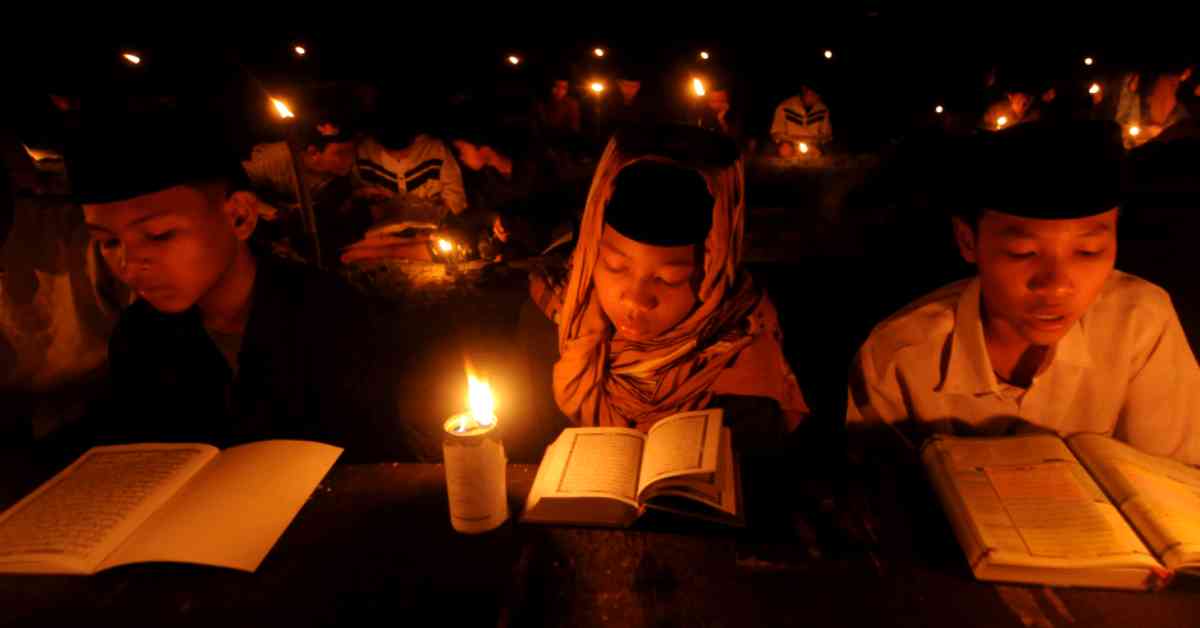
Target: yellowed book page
(717, 489)
(976, 453)
(232, 512)
(601, 461)
(1161, 497)
(1060, 513)
(85, 512)
(683, 444)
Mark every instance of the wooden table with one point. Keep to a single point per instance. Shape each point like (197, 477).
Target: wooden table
(374, 545)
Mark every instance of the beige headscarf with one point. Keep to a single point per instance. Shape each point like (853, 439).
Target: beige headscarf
(731, 343)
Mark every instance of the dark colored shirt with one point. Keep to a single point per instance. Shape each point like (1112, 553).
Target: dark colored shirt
(308, 368)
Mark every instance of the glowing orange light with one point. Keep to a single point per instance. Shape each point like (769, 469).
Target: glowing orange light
(1135, 131)
(599, 52)
(480, 401)
(704, 55)
(1001, 122)
(828, 54)
(445, 245)
(939, 109)
(300, 50)
(132, 58)
(514, 59)
(597, 87)
(1088, 60)
(282, 109)
(698, 87)
(803, 146)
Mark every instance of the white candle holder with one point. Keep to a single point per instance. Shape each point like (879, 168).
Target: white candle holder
(475, 474)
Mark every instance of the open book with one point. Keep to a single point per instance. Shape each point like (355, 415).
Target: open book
(1087, 511)
(609, 475)
(186, 503)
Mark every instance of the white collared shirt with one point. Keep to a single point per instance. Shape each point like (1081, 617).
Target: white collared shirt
(1125, 369)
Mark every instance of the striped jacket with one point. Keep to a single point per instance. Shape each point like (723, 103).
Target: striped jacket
(426, 170)
(794, 122)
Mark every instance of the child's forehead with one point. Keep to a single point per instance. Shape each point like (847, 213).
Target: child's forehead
(1012, 226)
(179, 201)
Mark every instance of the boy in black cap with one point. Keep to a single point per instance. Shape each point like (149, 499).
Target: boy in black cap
(222, 345)
(1047, 334)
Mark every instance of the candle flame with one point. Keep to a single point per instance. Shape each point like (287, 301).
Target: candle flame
(597, 87)
(698, 87)
(514, 59)
(939, 109)
(1094, 89)
(479, 399)
(282, 109)
(1001, 122)
(132, 58)
(1088, 60)
(803, 146)
(39, 155)
(444, 245)
(300, 50)
(704, 55)
(1135, 131)
(828, 54)
(599, 52)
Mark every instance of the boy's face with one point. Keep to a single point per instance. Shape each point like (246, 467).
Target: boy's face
(173, 246)
(1038, 276)
(336, 159)
(559, 90)
(644, 290)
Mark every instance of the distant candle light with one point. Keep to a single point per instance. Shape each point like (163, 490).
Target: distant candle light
(445, 245)
(282, 109)
(300, 51)
(828, 54)
(1094, 89)
(597, 87)
(599, 52)
(803, 146)
(514, 59)
(698, 87)
(132, 58)
(1001, 122)
(1088, 60)
(704, 55)
(939, 109)
(1135, 131)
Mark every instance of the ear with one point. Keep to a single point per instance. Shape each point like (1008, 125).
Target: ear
(964, 236)
(241, 208)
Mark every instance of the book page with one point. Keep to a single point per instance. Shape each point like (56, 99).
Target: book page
(86, 511)
(1043, 509)
(233, 511)
(683, 444)
(599, 462)
(718, 490)
(1161, 497)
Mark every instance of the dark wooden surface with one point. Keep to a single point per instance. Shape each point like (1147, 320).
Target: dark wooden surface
(374, 545)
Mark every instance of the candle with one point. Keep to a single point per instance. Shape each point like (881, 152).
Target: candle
(828, 54)
(698, 87)
(1094, 89)
(1135, 131)
(597, 87)
(599, 52)
(300, 51)
(475, 463)
(939, 109)
(802, 147)
(1001, 121)
(282, 109)
(132, 58)
(704, 55)
(514, 59)
(1088, 60)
